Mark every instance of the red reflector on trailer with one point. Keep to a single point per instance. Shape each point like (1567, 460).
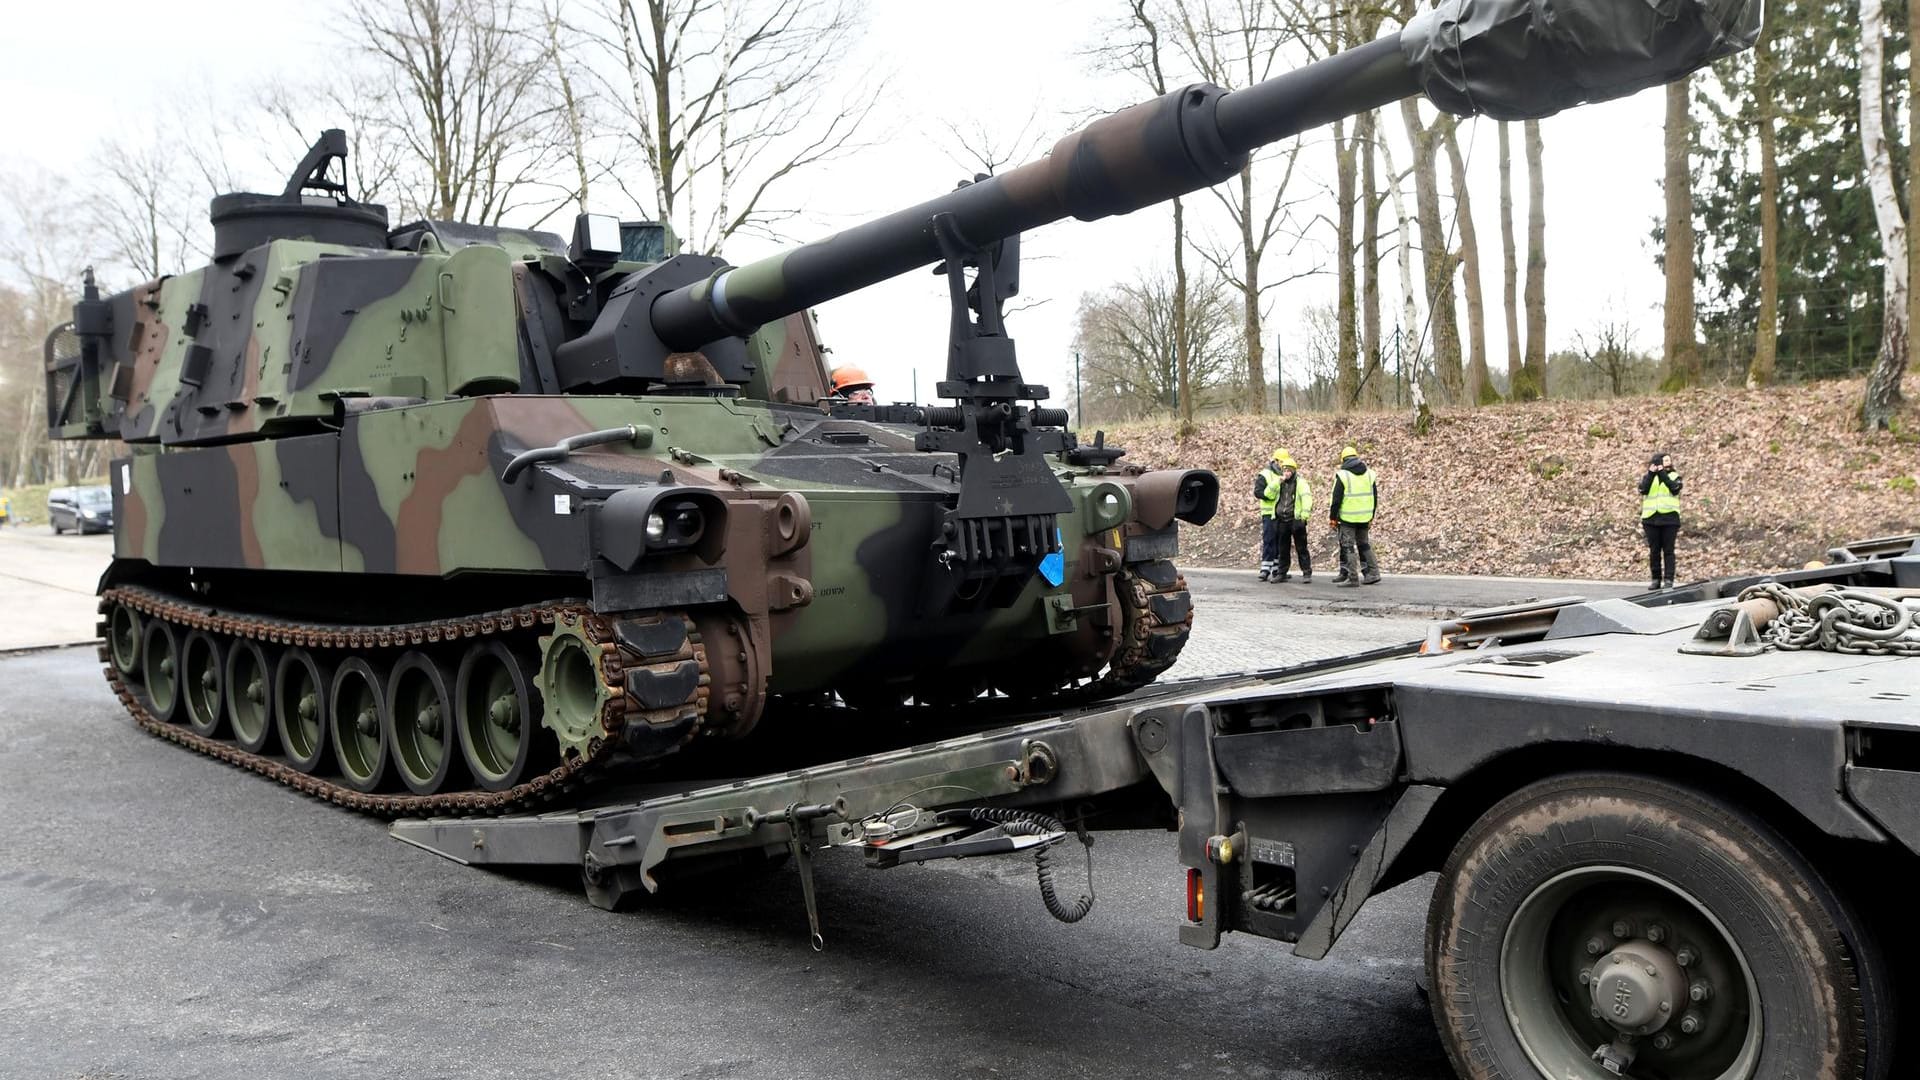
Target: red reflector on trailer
(1196, 896)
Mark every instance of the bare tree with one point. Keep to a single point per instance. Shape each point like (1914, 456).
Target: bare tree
(1346, 178)
(1235, 44)
(726, 99)
(1510, 271)
(1766, 335)
(1128, 337)
(1323, 31)
(1479, 388)
(1410, 344)
(1373, 377)
(1913, 176)
(41, 258)
(137, 206)
(1883, 384)
(1535, 364)
(1608, 348)
(1140, 53)
(1681, 351)
(984, 148)
(463, 88)
(1435, 252)
(577, 101)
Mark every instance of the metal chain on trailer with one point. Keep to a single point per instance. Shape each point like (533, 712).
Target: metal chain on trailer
(1852, 621)
(565, 777)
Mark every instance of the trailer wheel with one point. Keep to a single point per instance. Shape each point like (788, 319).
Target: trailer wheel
(1597, 925)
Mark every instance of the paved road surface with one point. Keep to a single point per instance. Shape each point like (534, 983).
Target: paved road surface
(47, 584)
(163, 915)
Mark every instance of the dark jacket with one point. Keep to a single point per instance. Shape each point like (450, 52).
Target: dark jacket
(1283, 506)
(1357, 467)
(1665, 517)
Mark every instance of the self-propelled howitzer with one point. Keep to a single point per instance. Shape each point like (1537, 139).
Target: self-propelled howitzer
(448, 516)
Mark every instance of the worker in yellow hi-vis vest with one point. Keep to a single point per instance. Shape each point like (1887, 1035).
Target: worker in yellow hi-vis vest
(1356, 499)
(1660, 517)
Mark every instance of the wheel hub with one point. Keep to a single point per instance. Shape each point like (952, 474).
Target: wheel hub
(368, 721)
(257, 692)
(504, 713)
(207, 681)
(428, 720)
(309, 707)
(1635, 987)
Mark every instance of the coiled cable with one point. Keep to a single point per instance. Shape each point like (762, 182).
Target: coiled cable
(1032, 823)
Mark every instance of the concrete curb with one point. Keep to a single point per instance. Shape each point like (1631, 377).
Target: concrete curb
(22, 650)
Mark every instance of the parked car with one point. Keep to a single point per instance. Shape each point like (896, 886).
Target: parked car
(82, 509)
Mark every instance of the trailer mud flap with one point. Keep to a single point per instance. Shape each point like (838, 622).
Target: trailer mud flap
(1388, 841)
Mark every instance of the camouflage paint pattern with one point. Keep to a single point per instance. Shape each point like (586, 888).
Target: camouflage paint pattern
(415, 491)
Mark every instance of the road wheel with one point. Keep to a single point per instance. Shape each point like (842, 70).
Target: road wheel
(1593, 926)
(361, 726)
(497, 710)
(425, 748)
(300, 709)
(249, 680)
(201, 683)
(161, 652)
(123, 640)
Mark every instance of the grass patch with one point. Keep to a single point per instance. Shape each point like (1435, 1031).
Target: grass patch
(30, 502)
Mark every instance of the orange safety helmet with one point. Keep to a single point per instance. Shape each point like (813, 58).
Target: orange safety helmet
(847, 378)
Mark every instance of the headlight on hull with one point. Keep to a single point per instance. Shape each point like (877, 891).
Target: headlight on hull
(678, 525)
(637, 522)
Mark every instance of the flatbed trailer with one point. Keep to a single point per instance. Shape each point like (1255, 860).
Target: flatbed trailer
(1670, 843)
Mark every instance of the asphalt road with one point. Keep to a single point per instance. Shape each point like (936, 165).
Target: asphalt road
(163, 915)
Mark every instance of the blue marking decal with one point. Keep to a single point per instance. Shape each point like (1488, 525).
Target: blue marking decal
(1054, 566)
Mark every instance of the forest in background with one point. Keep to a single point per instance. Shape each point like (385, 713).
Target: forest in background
(1786, 185)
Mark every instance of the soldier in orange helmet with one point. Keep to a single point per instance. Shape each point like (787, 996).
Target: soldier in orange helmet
(851, 383)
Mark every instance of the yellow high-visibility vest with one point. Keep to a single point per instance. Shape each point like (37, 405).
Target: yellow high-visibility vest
(1356, 496)
(1659, 499)
(1269, 495)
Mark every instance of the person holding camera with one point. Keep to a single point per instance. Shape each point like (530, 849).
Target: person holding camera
(1660, 517)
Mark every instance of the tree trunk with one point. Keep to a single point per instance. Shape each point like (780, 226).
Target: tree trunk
(1442, 310)
(1480, 390)
(1256, 356)
(1407, 344)
(1510, 264)
(1681, 353)
(1347, 380)
(1373, 375)
(1766, 332)
(1883, 385)
(1913, 185)
(1535, 364)
(1183, 388)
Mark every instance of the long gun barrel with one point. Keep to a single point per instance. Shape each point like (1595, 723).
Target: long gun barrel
(1510, 59)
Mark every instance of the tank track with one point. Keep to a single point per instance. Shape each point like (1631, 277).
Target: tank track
(1159, 618)
(569, 775)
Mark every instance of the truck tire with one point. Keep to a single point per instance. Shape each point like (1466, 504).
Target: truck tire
(1598, 911)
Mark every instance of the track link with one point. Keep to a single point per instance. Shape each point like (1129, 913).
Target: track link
(1159, 618)
(569, 775)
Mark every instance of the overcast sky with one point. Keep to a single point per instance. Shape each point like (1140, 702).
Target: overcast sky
(74, 73)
